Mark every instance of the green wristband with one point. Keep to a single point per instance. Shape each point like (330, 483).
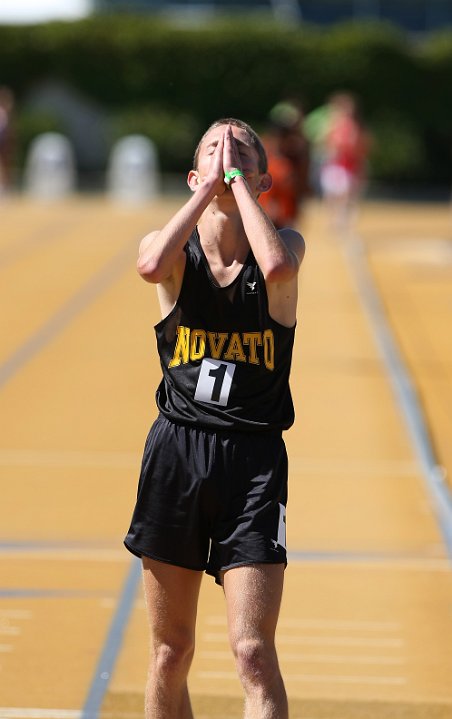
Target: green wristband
(229, 176)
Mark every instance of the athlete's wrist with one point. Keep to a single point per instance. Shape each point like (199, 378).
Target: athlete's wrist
(233, 174)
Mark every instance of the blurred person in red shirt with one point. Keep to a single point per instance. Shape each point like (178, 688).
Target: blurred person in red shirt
(343, 174)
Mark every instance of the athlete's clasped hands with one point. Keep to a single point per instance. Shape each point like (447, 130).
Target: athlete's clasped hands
(224, 158)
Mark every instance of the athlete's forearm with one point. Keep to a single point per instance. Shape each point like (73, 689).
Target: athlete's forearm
(159, 252)
(276, 261)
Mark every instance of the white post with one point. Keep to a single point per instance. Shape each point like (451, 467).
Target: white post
(50, 167)
(132, 175)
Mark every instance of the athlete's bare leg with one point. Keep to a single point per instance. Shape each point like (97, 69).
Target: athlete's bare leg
(253, 596)
(171, 598)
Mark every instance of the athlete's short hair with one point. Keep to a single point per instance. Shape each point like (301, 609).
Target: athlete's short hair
(255, 141)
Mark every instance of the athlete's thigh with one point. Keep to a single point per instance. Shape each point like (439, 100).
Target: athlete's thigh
(171, 595)
(253, 598)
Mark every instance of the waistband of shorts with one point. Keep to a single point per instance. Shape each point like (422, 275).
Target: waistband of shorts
(270, 432)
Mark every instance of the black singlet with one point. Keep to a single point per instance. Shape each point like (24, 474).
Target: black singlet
(225, 361)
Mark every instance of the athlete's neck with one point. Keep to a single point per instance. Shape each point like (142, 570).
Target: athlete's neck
(222, 237)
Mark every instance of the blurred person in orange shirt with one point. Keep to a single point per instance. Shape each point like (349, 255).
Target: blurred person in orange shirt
(288, 161)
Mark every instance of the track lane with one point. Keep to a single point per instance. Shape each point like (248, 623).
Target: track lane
(366, 551)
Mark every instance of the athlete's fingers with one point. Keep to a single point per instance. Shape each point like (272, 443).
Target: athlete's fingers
(228, 161)
(227, 148)
(231, 153)
(216, 171)
(217, 158)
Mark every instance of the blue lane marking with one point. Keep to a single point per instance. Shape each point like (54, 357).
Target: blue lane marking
(112, 645)
(20, 593)
(62, 317)
(403, 388)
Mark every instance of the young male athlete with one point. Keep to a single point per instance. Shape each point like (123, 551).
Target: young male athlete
(213, 485)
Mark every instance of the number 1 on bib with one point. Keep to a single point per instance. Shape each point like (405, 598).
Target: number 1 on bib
(214, 381)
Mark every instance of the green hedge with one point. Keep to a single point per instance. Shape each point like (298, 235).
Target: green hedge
(171, 82)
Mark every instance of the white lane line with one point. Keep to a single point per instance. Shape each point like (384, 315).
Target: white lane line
(340, 624)
(346, 679)
(341, 641)
(216, 621)
(389, 643)
(6, 631)
(35, 713)
(319, 623)
(15, 614)
(316, 658)
(316, 678)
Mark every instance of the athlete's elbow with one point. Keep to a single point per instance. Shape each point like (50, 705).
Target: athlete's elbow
(281, 272)
(149, 270)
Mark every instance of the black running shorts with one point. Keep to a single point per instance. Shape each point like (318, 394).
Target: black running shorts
(211, 500)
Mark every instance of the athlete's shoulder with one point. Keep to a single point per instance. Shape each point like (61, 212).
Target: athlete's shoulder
(294, 242)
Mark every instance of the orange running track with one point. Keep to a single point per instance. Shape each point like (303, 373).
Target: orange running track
(365, 630)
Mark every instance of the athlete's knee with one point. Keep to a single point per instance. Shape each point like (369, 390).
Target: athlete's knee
(256, 661)
(172, 659)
